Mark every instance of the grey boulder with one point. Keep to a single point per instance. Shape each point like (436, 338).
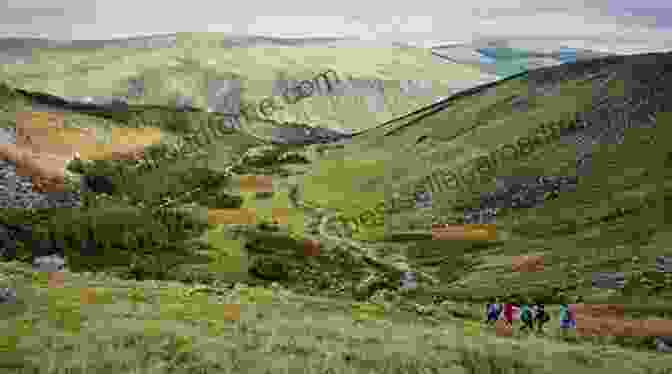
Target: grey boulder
(49, 263)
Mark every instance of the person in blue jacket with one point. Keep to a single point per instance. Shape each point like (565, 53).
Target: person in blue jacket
(493, 310)
(567, 320)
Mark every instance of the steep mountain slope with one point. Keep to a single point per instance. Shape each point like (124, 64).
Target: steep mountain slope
(478, 121)
(616, 111)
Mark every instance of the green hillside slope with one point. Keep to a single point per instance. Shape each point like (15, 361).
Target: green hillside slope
(614, 221)
(198, 59)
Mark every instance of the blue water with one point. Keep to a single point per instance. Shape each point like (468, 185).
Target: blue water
(509, 61)
(500, 53)
(487, 59)
(567, 55)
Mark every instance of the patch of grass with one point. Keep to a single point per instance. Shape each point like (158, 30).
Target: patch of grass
(229, 256)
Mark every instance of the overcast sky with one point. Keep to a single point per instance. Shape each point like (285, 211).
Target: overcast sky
(644, 23)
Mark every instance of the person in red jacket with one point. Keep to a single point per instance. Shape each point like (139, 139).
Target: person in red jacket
(508, 313)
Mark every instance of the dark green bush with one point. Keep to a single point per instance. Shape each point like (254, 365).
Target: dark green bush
(294, 158)
(381, 281)
(264, 157)
(181, 122)
(6, 92)
(221, 200)
(136, 243)
(269, 268)
(268, 226)
(201, 176)
(76, 166)
(263, 195)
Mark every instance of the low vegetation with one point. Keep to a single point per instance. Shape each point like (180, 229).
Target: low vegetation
(153, 286)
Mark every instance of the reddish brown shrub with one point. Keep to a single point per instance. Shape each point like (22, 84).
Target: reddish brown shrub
(528, 263)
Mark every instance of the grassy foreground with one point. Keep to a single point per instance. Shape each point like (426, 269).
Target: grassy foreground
(100, 324)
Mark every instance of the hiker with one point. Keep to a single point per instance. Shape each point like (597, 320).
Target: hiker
(566, 318)
(508, 313)
(541, 317)
(526, 317)
(492, 312)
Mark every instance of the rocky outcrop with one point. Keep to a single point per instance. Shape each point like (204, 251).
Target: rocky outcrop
(643, 83)
(7, 296)
(18, 191)
(518, 192)
(664, 344)
(304, 135)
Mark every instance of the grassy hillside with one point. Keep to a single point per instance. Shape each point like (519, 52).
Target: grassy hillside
(169, 327)
(613, 222)
(247, 298)
(197, 60)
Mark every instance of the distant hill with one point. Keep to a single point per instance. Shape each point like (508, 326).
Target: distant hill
(187, 68)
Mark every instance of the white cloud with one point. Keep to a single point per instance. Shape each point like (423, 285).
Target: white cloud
(448, 22)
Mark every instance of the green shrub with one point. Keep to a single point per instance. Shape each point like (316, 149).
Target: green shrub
(293, 158)
(269, 268)
(263, 195)
(180, 122)
(6, 92)
(264, 156)
(221, 200)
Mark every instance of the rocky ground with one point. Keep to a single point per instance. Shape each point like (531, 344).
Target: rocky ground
(16, 192)
(605, 123)
(518, 193)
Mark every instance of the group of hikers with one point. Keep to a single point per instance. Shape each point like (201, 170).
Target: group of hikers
(529, 315)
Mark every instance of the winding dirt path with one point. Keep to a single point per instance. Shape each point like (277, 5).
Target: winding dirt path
(366, 253)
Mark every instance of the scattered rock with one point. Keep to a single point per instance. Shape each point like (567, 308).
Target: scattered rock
(518, 192)
(49, 263)
(136, 87)
(409, 281)
(18, 191)
(7, 296)
(664, 344)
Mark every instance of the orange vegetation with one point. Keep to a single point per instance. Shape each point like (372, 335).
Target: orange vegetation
(44, 147)
(231, 216)
(607, 320)
(255, 183)
(465, 232)
(528, 263)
